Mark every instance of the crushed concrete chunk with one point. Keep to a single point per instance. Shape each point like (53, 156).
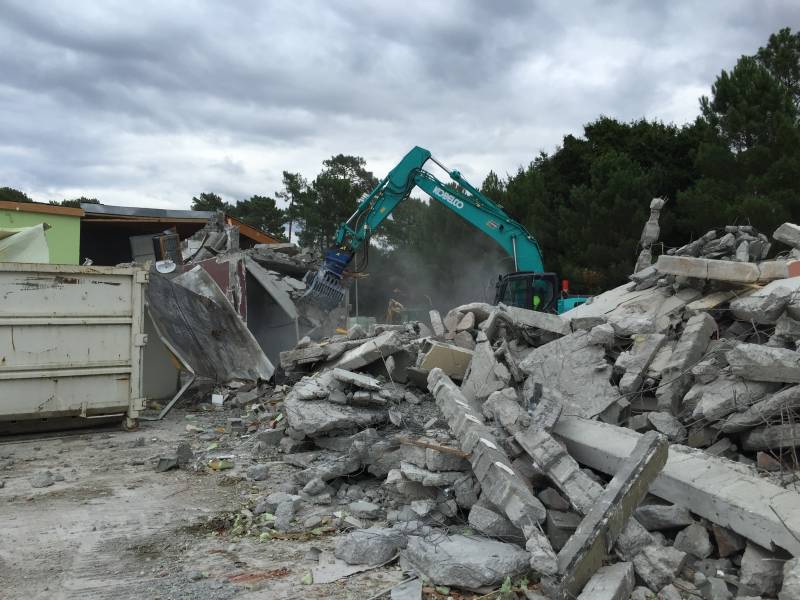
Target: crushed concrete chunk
(656, 517)
(761, 572)
(602, 335)
(658, 566)
(373, 546)
(315, 418)
(791, 580)
(694, 540)
(357, 379)
(668, 425)
(469, 562)
(493, 524)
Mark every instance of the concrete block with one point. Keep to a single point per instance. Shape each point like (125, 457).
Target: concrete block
(560, 526)
(656, 517)
(451, 359)
(726, 493)
(765, 305)
(493, 524)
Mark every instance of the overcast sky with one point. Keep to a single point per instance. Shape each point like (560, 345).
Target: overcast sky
(151, 102)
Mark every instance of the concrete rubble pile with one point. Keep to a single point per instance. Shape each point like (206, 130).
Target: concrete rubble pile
(640, 444)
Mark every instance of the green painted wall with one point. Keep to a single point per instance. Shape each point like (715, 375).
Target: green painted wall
(63, 237)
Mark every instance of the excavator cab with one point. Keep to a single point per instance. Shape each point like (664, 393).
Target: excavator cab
(528, 289)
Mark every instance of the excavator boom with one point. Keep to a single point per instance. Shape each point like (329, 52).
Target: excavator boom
(325, 287)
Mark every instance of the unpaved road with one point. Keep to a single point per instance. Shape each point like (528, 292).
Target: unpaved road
(116, 529)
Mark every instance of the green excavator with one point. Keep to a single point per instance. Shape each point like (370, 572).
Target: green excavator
(529, 286)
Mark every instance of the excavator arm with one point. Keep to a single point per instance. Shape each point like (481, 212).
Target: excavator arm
(324, 287)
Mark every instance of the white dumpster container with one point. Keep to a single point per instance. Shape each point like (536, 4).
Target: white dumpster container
(71, 342)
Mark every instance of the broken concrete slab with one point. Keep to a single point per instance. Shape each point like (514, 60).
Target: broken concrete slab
(466, 323)
(585, 552)
(602, 335)
(676, 379)
(357, 379)
(577, 369)
(469, 562)
(380, 347)
(789, 234)
(612, 582)
(772, 437)
(560, 526)
(453, 360)
(783, 402)
(205, 327)
(484, 374)
(315, 418)
(726, 493)
(503, 407)
(764, 363)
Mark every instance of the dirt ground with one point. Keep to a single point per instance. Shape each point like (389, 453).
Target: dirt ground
(115, 528)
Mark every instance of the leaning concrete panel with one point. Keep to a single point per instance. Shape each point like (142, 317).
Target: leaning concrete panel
(724, 492)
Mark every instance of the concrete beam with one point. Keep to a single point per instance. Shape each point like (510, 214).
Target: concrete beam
(492, 468)
(586, 550)
(724, 492)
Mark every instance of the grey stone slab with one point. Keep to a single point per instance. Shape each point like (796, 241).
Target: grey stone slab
(764, 363)
(612, 582)
(469, 562)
